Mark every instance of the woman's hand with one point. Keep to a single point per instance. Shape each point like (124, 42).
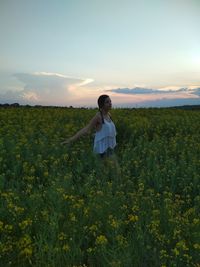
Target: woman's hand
(67, 141)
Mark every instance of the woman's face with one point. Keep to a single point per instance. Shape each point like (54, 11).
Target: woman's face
(107, 103)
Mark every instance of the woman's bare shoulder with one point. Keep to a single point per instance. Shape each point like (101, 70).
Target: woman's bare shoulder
(96, 118)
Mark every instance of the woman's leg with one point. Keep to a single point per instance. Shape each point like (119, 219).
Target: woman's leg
(108, 167)
(111, 167)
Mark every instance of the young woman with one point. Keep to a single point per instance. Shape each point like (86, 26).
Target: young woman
(104, 141)
(105, 136)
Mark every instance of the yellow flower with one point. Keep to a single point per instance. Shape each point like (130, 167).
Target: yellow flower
(18, 209)
(114, 223)
(1, 225)
(101, 240)
(72, 217)
(66, 247)
(115, 263)
(25, 223)
(176, 252)
(196, 221)
(46, 173)
(27, 252)
(93, 228)
(68, 197)
(32, 170)
(78, 204)
(8, 227)
(90, 250)
(133, 218)
(60, 190)
(62, 236)
(182, 245)
(163, 254)
(100, 193)
(121, 240)
(18, 156)
(86, 211)
(196, 246)
(25, 246)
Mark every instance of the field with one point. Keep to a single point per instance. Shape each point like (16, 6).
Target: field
(61, 207)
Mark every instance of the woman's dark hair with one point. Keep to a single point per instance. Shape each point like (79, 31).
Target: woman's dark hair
(101, 101)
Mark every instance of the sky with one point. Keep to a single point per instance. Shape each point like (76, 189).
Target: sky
(142, 53)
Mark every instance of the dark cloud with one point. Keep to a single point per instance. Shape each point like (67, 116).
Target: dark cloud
(169, 102)
(140, 90)
(136, 90)
(11, 97)
(196, 91)
(158, 103)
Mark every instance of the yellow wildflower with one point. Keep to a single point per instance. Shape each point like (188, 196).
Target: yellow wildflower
(196, 246)
(62, 236)
(66, 247)
(1, 225)
(72, 217)
(101, 240)
(25, 223)
(133, 218)
(46, 173)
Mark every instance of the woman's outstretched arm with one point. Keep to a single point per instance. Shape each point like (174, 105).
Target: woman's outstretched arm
(84, 131)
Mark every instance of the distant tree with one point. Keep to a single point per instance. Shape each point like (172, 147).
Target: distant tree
(15, 105)
(38, 106)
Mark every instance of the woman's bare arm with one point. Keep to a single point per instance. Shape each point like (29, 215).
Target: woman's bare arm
(84, 131)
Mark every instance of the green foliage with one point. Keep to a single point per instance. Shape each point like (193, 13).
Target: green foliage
(60, 206)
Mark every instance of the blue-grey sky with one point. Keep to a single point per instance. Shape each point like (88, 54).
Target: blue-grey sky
(68, 52)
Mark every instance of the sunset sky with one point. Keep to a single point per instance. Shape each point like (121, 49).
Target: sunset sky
(68, 52)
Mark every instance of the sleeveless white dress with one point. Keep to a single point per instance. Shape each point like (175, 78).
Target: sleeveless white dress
(105, 137)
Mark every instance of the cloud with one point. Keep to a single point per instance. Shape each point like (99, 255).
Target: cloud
(166, 102)
(149, 97)
(44, 88)
(164, 91)
(11, 97)
(196, 91)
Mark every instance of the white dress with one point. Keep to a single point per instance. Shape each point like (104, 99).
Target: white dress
(105, 137)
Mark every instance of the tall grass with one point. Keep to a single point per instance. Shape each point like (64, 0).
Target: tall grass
(61, 207)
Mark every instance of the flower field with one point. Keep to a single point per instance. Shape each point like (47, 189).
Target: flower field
(61, 207)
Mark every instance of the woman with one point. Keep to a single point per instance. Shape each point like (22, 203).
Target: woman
(105, 136)
(105, 139)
